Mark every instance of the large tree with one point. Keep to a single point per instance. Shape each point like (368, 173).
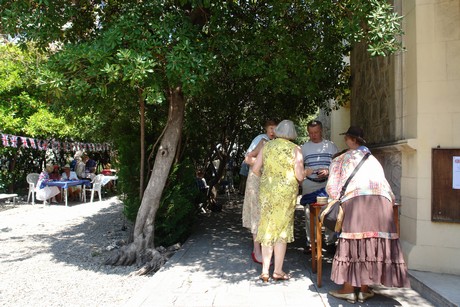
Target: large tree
(220, 61)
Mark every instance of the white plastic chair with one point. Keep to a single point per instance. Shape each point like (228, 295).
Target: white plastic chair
(32, 180)
(96, 184)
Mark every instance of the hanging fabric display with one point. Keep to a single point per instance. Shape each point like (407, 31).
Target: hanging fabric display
(5, 140)
(24, 142)
(14, 141)
(9, 140)
(32, 143)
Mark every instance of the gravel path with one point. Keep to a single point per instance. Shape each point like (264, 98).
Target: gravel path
(53, 255)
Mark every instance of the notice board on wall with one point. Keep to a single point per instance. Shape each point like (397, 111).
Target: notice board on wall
(445, 192)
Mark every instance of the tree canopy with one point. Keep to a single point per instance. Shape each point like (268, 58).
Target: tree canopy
(214, 69)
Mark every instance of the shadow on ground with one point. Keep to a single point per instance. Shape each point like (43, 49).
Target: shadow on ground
(88, 244)
(221, 248)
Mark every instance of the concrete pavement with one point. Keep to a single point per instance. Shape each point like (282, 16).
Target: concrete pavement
(214, 268)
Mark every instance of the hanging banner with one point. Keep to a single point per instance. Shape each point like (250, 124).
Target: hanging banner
(32, 143)
(24, 142)
(9, 140)
(14, 141)
(5, 140)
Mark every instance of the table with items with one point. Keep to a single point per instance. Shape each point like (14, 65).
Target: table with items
(65, 184)
(106, 179)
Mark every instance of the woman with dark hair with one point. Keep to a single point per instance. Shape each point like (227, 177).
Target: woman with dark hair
(368, 250)
(283, 169)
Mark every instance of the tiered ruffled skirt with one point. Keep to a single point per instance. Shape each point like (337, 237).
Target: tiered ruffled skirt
(369, 251)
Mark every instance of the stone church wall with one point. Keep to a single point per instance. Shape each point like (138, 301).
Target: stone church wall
(374, 107)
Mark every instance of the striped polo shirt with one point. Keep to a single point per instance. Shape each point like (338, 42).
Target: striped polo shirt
(316, 156)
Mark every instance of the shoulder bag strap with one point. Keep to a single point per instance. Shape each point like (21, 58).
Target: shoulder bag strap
(344, 188)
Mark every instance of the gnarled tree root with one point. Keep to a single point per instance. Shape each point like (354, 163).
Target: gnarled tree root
(147, 260)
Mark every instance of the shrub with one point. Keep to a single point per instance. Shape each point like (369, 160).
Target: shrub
(176, 213)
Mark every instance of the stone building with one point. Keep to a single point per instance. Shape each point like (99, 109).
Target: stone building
(409, 104)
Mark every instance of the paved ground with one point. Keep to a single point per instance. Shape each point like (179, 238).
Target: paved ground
(214, 269)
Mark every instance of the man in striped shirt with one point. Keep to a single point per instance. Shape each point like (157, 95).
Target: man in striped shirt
(317, 156)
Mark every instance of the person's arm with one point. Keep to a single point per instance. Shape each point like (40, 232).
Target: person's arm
(300, 172)
(252, 155)
(257, 167)
(334, 182)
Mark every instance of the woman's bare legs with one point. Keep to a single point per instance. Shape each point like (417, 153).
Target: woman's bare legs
(267, 252)
(257, 249)
(280, 252)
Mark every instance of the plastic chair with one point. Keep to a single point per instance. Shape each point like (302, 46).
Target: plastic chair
(32, 180)
(96, 185)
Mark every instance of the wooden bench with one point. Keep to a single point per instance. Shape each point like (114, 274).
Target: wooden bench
(7, 196)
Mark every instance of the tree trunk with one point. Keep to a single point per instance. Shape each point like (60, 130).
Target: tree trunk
(141, 167)
(142, 249)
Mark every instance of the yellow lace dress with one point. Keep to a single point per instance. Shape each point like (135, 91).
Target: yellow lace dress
(278, 193)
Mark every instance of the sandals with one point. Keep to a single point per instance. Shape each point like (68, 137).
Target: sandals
(280, 277)
(264, 277)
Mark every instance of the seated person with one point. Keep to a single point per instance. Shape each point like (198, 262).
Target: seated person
(74, 191)
(44, 192)
(68, 174)
(107, 170)
(90, 166)
(54, 175)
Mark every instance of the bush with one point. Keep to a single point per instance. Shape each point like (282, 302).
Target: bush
(176, 213)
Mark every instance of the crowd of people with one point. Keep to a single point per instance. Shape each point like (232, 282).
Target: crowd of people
(82, 167)
(368, 250)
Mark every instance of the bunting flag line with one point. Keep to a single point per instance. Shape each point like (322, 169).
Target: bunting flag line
(24, 143)
(14, 140)
(5, 140)
(9, 140)
(32, 143)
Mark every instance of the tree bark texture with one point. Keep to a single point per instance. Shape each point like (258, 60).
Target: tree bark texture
(142, 248)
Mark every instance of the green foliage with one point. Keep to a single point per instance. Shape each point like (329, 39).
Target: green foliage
(127, 142)
(237, 63)
(15, 164)
(24, 113)
(176, 213)
(372, 21)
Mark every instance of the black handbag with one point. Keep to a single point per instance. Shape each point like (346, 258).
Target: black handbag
(331, 215)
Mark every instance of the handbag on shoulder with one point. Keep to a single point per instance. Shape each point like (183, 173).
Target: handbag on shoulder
(331, 215)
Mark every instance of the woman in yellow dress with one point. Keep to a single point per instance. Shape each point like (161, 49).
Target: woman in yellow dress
(279, 185)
